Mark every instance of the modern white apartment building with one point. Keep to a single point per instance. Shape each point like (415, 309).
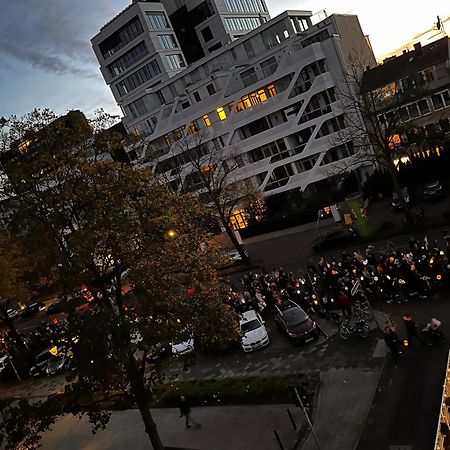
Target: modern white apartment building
(269, 98)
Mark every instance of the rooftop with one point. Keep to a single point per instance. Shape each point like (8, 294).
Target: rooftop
(409, 63)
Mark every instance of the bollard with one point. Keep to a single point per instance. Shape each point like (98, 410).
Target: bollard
(278, 439)
(292, 419)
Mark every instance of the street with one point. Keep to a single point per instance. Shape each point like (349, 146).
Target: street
(406, 405)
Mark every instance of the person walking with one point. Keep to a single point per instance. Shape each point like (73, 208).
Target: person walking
(411, 329)
(185, 410)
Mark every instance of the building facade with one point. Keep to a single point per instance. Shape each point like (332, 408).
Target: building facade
(270, 100)
(414, 95)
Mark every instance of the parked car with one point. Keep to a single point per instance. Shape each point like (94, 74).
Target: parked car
(40, 363)
(253, 332)
(334, 238)
(232, 258)
(12, 313)
(182, 348)
(33, 309)
(55, 307)
(433, 191)
(396, 202)
(295, 322)
(59, 362)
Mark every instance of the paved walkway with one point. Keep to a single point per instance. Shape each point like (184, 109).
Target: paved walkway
(344, 401)
(223, 428)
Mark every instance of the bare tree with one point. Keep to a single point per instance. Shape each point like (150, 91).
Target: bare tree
(375, 134)
(203, 166)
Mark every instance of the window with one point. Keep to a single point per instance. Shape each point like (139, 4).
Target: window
(441, 99)
(339, 152)
(175, 61)
(207, 34)
(124, 35)
(137, 108)
(193, 127)
(185, 105)
(428, 74)
(249, 49)
(221, 113)
(241, 23)
(215, 47)
(167, 41)
(138, 78)
(206, 120)
(128, 59)
(157, 20)
(423, 107)
(196, 96)
(211, 89)
(249, 77)
(269, 66)
(245, 6)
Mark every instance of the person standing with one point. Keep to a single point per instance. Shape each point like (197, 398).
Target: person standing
(185, 410)
(392, 341)
(346, 304)
(411, 329)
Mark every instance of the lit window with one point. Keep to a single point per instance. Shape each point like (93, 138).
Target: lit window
(272, 90)
(246, 101)
(193, 128)
(206, 120)
(221, 113)
(262, 95)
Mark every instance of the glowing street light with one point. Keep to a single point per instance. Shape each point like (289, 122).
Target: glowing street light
(171, 233)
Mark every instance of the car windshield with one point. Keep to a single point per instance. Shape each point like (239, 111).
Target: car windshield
(294, 316)
(250, 326)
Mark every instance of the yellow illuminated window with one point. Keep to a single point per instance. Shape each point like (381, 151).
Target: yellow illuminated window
(394, 140)
(193, 127)
(262, 95)
(272, 90)
(221, 113)
(240, 106)
(206, 120)
(254, 98)
(238, 219)
(246, 101)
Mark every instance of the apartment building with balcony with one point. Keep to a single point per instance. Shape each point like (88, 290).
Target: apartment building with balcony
(414, 94)
(270, 99)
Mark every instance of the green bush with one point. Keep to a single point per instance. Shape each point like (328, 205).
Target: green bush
(234, 391)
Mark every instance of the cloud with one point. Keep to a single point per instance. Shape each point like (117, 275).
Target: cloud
(53, 35)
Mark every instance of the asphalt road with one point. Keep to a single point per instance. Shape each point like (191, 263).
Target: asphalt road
(405, 411)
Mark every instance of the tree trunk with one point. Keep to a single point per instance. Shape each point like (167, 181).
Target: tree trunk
(397, 188)
(236, 244)
(142, 400)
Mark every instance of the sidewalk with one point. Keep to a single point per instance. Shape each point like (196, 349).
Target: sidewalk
(343, 406)
(223, 428)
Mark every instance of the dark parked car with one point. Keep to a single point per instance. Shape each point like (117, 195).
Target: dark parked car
(56, 307)
(295, 322)
(334, 238)
(433, 191)
(33, 309)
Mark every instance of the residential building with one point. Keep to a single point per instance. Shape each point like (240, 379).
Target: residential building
(414, 92)
(270, 100)
(205, 26)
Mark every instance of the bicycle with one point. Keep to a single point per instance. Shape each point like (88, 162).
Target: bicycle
(360, 327)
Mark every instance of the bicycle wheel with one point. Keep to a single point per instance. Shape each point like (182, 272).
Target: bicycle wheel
(344, 331)
(364, 331)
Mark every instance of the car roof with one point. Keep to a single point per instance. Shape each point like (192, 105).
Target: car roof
(247, 316)
(288, 304)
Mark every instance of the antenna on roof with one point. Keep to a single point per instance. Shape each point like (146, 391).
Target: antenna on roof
(439, 25)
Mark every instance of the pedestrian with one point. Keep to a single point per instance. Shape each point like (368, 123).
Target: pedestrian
(411, 329)
(185, 410)
(392, 341)
(346, 304)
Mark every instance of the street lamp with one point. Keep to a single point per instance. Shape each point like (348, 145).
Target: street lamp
(171, 233)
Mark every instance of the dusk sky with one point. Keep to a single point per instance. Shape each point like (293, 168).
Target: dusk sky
(46, 59)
